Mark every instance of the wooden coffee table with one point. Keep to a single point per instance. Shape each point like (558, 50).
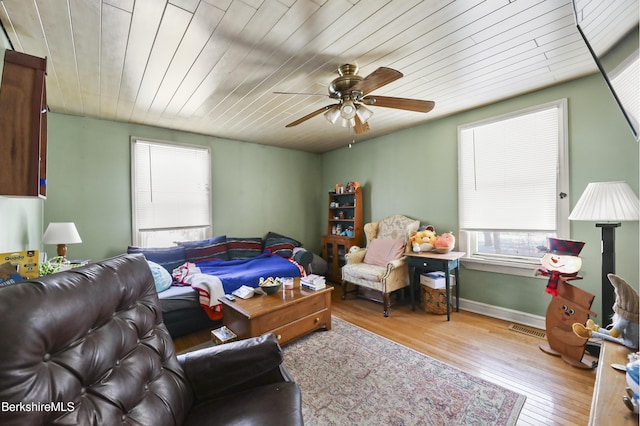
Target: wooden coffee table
(289, 314)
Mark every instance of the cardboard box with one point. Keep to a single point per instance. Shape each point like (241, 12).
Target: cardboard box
(436, 279)
(25, 262)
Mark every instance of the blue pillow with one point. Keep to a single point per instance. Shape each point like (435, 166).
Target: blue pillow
(168, 257)
(161, 277)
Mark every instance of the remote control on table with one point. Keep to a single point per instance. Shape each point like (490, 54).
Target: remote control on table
(230, 297)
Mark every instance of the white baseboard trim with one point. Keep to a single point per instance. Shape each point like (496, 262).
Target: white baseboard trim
(506, 314)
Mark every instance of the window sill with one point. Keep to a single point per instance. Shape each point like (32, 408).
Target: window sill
(523, 269)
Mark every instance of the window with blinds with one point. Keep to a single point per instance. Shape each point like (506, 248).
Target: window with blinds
(512, 172)
(171, 194)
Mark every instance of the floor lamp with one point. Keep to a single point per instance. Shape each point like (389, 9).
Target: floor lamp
(607, 204)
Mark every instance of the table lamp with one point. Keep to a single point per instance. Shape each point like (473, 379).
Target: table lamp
(61, 233)
(607, 204)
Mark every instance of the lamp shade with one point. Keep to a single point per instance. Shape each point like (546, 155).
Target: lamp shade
(61, 233)
(606, 202)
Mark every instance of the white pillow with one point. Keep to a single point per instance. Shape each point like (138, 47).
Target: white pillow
(161, 276)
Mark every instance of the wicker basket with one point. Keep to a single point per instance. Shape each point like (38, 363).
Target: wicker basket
(434, 300)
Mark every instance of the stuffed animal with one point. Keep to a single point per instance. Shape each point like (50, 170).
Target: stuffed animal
(445, 242)
(626, 316)
(423, 240)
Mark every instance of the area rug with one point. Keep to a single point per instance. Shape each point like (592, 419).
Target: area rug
(350, 376)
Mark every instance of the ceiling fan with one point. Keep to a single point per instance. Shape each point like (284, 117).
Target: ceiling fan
(352, 92)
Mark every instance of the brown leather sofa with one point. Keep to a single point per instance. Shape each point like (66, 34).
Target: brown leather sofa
(88, 347)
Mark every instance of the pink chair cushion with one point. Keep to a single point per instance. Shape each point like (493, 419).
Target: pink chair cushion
(381, 251)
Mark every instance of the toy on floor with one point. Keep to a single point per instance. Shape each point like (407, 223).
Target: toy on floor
(624, 328)
(571, 305)
(568, 305)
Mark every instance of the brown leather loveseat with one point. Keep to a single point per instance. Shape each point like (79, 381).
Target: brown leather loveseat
(88, 347)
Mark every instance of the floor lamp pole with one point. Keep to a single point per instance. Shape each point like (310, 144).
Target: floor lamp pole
(608, 267)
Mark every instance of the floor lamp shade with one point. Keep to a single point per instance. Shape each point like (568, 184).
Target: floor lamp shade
(61, 233)
(607, 204)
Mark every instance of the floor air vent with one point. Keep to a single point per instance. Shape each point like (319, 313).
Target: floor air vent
(535, 332)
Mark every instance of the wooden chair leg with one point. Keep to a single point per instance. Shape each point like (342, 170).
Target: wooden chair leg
(344, 289)
(386, 301)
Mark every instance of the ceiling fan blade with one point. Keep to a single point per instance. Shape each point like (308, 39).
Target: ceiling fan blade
(360, 127)
(310, 115)
(380, 77)
(399, 103)
(305, 94)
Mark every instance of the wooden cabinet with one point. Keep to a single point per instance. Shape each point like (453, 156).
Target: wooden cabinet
(23, 126)
(344, 214)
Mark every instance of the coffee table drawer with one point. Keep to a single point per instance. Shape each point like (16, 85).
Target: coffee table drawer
(303, 326)
(280, 317)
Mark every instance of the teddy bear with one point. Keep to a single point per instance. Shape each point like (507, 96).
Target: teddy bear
(423, 240)
(624, 328)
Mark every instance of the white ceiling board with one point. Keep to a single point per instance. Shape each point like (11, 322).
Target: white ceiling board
(211, 66)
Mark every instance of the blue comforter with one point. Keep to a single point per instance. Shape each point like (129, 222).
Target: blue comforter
(239, 272)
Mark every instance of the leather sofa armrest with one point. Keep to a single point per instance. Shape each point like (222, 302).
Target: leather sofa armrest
(234, 366)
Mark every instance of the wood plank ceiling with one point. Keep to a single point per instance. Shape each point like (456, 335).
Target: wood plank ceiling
(212, 66)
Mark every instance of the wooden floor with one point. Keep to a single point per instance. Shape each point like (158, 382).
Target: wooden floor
(557, 394)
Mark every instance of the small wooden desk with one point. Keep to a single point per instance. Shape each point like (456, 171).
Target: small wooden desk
(607, 407)
(432, 261)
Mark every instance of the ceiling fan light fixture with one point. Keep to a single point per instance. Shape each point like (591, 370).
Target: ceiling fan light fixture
(351, 122)
(332, 114)
(363, 113)
(348, 110)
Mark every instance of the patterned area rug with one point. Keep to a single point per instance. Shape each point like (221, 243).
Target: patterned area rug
(350, 376)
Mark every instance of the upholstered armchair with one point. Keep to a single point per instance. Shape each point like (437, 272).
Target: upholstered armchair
(381, 268)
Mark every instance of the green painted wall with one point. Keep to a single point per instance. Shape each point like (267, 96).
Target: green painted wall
(414, 172)
(256, 188)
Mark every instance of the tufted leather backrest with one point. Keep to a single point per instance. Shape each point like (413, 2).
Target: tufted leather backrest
(89, 343)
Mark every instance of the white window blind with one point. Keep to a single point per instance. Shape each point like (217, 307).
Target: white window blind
(508, 172)
(171, 188)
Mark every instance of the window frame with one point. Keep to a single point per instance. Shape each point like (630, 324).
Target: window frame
(522, 265)
(135, 228)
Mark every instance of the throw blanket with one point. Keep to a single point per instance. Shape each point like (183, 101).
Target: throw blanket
(213, 278)
(236, 273)
(209, 288)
